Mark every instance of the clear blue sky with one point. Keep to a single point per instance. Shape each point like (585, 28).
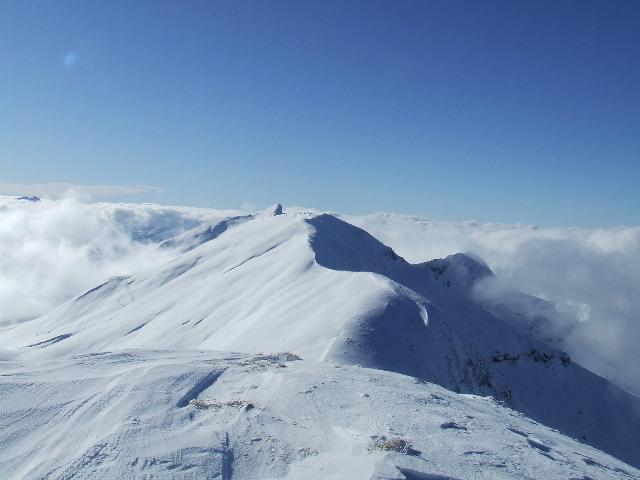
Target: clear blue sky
(506, 111)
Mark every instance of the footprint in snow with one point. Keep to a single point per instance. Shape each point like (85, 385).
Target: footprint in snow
(539, 445)
(452, 425)
(475, 452)
(533, 442)
(592, 463)
(518, 432)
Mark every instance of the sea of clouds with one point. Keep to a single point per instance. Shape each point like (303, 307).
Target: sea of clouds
(53, 250)
(592, 276)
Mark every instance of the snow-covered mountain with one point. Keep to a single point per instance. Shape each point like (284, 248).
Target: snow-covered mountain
(317, 286)
(587, 277)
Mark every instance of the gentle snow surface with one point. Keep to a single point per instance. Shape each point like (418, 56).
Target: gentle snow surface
(117, 382)
(192, 415)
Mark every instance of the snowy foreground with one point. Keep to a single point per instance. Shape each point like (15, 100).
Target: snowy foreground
(193, 414)
(404, 374)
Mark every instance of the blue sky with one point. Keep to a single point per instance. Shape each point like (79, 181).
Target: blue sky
(500, 111)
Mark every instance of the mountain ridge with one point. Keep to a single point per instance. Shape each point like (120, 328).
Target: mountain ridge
(323, 288)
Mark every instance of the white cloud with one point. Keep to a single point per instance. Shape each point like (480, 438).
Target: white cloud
(52, 250)
(86, 192)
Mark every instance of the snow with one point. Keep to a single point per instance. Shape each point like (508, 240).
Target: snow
(133, 414)
(589, 275)
(129, 378)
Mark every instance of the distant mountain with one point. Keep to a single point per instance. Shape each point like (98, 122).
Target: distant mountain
(320, 287)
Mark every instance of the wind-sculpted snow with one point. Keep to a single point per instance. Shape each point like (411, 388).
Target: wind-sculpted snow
(194, 414)
(205, 233)
(329, 291)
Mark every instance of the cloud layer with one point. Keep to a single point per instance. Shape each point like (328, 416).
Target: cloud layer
(64, 190)
(51, 250)
(592, 276)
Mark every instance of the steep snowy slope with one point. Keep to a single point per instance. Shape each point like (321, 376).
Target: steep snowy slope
(193, 415)
(327, 290)
(464, 348)
(590, 275)
(233, 293)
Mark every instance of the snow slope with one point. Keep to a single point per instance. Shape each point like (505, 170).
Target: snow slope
(194, 414)
(318, 286)
(590, 275)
